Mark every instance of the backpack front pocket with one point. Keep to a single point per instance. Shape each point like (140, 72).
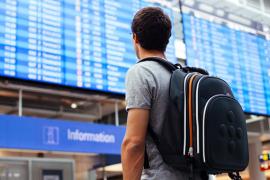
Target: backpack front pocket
(224, 143)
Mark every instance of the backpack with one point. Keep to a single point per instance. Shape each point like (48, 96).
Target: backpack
(205, 129)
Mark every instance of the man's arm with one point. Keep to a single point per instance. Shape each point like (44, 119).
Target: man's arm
(133, 145)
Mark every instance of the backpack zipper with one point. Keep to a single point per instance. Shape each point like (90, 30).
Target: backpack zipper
(190, 150)
(185, 113)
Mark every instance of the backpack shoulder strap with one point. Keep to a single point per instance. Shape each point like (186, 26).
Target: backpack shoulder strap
(166, 64)
(172, 67)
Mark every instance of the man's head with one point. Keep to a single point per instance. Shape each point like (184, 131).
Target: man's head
(151, 29)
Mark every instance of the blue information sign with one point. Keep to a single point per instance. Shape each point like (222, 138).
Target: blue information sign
(79, 43)
(58, 135)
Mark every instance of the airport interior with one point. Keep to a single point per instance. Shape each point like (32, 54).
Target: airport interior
(62, 79)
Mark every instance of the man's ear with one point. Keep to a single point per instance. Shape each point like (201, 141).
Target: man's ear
(135, 38)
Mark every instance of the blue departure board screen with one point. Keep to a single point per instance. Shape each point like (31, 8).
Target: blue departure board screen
(238, 55)
(78, 43)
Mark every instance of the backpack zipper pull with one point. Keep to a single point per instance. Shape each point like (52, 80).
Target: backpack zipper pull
(190, 151)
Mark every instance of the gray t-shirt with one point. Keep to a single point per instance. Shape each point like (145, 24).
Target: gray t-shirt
(147, 87)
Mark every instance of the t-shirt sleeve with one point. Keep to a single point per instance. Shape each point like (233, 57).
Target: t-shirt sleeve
(138, 88)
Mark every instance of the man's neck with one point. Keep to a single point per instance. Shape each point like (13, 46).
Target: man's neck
(146, 54)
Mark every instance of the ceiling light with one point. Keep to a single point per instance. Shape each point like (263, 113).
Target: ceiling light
(74, 106)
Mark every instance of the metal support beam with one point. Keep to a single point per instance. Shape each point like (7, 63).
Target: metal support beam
(262, 127)
(268, 119)
(20, 104)
(99, 110)
(30, 166)
(105, 176)
(116, 111)
(255, 149)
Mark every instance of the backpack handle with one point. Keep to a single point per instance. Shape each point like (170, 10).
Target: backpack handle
(188, 69)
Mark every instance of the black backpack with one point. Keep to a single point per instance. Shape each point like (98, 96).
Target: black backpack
(205, 130)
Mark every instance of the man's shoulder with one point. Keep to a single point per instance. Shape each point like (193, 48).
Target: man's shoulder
(143, 64)
(144, 67)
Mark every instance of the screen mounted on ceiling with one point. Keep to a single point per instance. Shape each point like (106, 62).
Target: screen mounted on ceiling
(238, 52)
(81, 43)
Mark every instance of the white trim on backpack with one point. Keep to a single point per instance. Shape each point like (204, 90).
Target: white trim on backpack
(203, 128)
(197, 114)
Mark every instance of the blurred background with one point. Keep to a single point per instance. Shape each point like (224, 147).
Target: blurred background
(62, 73)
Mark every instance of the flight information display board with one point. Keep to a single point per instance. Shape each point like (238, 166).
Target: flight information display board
(79, 43)
(240, 57)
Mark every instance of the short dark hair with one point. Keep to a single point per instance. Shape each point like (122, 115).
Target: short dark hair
(152, 27)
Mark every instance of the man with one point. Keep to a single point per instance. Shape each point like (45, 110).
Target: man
(147, 95)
